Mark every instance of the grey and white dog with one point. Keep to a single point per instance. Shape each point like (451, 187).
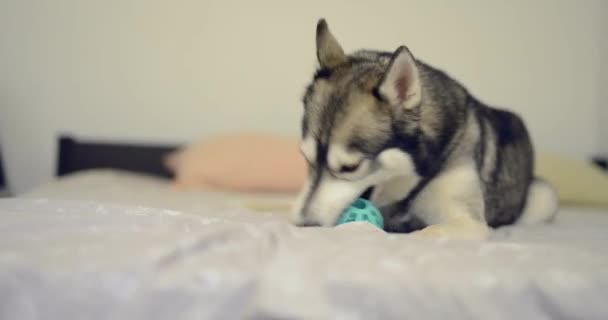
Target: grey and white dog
(432, 157)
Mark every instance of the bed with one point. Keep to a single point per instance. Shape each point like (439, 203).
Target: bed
(105, 242)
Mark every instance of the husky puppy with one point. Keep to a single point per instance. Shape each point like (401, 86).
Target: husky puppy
(429, 155)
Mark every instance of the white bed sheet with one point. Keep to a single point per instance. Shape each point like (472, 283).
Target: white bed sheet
(62, 259)
(121, 187)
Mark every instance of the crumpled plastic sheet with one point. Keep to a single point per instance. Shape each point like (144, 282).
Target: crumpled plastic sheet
(88, 260)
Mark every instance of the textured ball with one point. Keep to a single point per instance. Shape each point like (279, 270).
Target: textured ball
(362, 210)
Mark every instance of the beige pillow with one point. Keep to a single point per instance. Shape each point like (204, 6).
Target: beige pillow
(240, 162)
(577, 182)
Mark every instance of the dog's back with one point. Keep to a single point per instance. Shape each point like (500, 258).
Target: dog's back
(506, 163)
(496, 139)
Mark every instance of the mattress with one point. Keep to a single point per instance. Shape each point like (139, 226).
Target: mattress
(107, 256)
(122, 187)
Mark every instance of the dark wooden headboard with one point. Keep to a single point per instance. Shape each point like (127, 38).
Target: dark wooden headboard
(75, 155)
(602, 162)
(2, 177)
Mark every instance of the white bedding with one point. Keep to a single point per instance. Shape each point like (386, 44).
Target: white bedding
(120, 187)
(63, 259)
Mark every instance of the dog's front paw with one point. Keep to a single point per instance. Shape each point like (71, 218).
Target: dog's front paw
(476, 231)
(435, 231)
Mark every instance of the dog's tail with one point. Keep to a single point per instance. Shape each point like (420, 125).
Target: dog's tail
(541, 204)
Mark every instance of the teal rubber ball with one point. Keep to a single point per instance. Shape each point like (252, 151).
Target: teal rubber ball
(362, 210)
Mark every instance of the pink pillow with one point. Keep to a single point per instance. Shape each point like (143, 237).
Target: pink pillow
(240, 162)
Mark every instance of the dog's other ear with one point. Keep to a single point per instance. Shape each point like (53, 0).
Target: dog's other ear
(401, 84)
(329, 51)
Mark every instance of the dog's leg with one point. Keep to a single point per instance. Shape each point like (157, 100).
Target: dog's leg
(455, 229)
(452, 205)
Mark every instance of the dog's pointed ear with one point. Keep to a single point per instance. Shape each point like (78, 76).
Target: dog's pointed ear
(329, 51)
(401, 83)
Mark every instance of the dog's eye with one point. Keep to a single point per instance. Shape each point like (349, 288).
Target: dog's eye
(349, 168)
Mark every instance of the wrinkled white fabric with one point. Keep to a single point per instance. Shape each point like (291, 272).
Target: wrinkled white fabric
(94, 260)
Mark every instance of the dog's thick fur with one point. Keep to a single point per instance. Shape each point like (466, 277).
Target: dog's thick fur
(431, 156)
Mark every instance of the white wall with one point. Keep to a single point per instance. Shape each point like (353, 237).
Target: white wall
(603, 83)
(177, 70)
